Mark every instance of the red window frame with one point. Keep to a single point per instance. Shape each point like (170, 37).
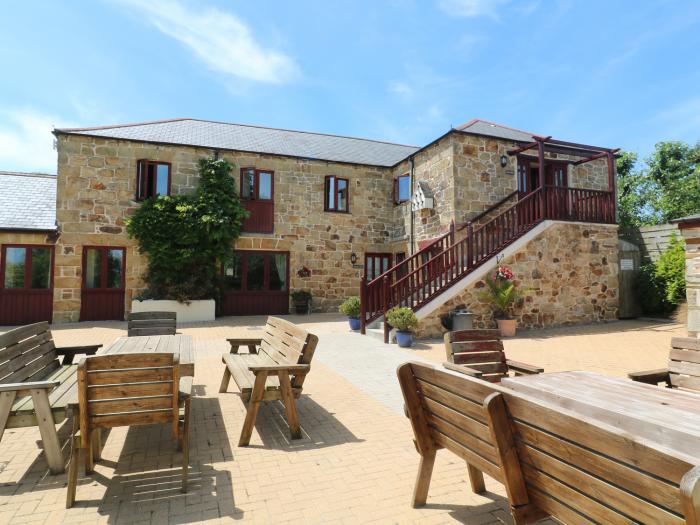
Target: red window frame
(103, 269)
(256, 184)
(397, 197)
(142, 173)
(27, 265)
(267, 261)
(383, 256)
(326, 202)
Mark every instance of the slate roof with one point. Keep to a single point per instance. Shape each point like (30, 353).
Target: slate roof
(27, 201)
(492, 129)
(240, 137)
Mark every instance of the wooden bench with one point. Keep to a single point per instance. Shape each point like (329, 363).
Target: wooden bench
(683, 369)
(151, 323)
(275, 372)
(480, 353)
(35, 386)
(553, 462)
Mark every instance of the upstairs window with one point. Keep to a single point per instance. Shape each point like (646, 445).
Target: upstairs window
(336, 194)
(256, 185)
(402, 188)
(152, 179)
(257, 195)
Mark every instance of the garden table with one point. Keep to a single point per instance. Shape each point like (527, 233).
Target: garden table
(663, 417)
(176, 344)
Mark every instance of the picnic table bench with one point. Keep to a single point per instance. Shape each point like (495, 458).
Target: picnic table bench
(151, 323)
(683, 370)
(274, 372)
(553, 459)
(480, 353)
(35, 386)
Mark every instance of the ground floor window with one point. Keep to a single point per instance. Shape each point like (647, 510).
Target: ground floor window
(376, 264)
(26, 284)
(104, 282)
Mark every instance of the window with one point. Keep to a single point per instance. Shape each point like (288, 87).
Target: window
(256, 184)
(336, 194)
(26, 267)
(152, 179)
(249, 271)
(103, 268)
(402, 188)
(376, 264)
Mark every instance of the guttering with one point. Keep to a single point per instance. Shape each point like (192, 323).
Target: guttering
(10, 229)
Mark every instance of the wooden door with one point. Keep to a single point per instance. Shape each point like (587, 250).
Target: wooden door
(256, 283)
(257, 195)
(376, 264)
(26, 284)
(102, 295)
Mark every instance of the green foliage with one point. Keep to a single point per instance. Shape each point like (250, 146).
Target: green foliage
(660, 286)
(401, 318)
(666, 188)
(502, 294)
(301, 296)
(351, 307)
(187, 237)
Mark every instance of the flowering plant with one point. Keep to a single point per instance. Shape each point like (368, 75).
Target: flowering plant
(304, 272)
(502, 292)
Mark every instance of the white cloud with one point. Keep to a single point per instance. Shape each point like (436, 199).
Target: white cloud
(26, 141)
(681, 120)
(472, 8)
(219, 39)
(400, 88)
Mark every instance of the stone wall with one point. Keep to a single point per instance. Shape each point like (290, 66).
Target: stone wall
(571, 271)
(691, 234)
(96, 187)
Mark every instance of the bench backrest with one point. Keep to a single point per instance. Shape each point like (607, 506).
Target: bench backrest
(684, 363)
(480, 350)
(152, 323)
(27, 353)
(552, 461)
(117, 390)
(447, 409)
(285, 343)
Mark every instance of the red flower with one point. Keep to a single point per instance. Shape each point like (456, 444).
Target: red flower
(504, 273)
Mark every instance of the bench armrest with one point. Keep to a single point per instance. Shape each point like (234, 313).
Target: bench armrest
(30, 385)
(279, 368)
(69, 352)
(463, 369)
(523, 368)
(651, 377)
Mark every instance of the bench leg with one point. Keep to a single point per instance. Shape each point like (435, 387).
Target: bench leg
(252, 410)
(225, 380)
(476, 479)
(252, 349)
(6, 401)
(289, 405)
(73, 464)
(47, 428)
(425, 471)
(186, 445)
(234, 348)
(97, 445)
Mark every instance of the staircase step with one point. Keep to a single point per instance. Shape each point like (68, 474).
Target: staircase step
(377, 333)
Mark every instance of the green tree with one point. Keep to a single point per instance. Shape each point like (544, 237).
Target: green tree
(186, 237)
(674, 171)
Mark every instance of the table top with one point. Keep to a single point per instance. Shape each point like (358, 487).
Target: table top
(180, 344)
(662, 416)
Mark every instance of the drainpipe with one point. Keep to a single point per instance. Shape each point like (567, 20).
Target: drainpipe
(413, 213)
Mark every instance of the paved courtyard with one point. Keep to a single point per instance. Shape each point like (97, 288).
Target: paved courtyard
(355, 464)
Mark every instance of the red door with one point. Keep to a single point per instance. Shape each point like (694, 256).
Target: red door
(102, 295)
(376, 264)
(256, 283)
(26, 289)
(257, 194)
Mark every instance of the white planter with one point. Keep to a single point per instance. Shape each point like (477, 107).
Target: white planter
(203, 310)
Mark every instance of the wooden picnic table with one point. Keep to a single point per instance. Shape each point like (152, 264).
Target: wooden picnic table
(664, 417)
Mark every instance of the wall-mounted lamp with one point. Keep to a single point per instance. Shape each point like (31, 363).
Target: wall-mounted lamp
(353, 258)
(504, 161)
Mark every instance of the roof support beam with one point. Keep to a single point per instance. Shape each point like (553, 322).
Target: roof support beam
(596, 156)
(529, 145)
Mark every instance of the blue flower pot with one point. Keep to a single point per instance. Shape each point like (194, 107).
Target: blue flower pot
(354, 323)
(404, 339)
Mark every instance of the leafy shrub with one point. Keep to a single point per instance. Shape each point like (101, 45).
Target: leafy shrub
(502, 292)
(351, 307)
(661, 285)
(186, 237)
(401, 318)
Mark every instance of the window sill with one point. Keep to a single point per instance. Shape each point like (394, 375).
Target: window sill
(337, 211)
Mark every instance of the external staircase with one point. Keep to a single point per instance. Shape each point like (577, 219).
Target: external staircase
(465, 253)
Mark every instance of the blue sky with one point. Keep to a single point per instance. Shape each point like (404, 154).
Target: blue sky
(618, 74)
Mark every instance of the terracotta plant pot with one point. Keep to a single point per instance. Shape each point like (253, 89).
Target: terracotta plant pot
(506, 326)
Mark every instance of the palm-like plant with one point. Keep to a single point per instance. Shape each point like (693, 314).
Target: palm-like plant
(502, 292)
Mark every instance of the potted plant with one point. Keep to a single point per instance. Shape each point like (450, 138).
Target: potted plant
(502, 293)
(403, 319)
(351, 308)
(301, 300)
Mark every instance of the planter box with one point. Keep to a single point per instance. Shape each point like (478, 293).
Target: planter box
(203, 310)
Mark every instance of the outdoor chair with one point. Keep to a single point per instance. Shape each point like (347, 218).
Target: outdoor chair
(683, 369)
(151, 323)
(119, 390)
(480, 353)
